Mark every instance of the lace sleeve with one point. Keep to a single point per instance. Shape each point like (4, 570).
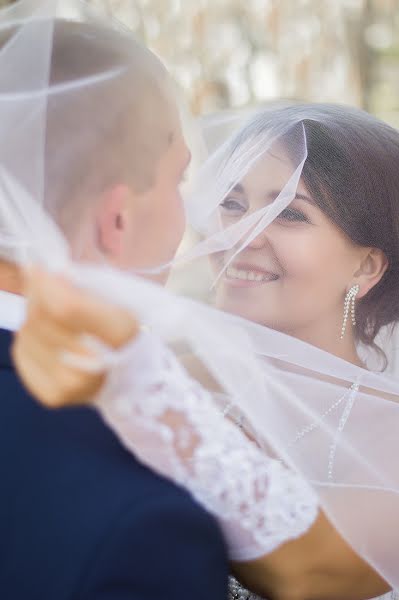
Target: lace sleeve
(172, 425)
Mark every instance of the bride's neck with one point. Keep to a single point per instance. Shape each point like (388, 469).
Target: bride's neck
(329, 340)
(10, 278)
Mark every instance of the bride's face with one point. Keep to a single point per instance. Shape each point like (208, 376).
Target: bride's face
(294, 275)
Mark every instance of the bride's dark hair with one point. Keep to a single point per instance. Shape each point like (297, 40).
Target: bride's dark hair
(352, 173)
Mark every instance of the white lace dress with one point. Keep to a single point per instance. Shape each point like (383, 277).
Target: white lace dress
(172, 424)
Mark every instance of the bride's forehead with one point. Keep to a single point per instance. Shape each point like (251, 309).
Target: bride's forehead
(271, 171)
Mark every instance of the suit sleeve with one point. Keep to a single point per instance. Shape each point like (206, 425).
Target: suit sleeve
(169, 549)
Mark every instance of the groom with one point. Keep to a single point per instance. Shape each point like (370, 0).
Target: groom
(79, 518)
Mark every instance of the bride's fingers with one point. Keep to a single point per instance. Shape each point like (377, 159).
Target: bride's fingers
(52, 297)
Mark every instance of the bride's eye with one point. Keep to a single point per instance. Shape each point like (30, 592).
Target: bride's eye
(233, 207)
(293, 216)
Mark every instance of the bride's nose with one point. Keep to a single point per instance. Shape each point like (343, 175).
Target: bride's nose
(259, 241)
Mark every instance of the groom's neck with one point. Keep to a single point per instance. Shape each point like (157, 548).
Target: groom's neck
(10, 278)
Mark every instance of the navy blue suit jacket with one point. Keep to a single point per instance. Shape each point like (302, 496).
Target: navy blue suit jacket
(81, 519)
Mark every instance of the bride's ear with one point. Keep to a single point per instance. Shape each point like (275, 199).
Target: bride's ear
(112, 220)
(372, 268)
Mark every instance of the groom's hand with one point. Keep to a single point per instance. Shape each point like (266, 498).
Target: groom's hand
(58, 317)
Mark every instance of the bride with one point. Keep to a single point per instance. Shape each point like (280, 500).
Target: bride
(290, 418)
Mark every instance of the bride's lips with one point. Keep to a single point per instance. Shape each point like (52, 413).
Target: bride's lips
(247, 275)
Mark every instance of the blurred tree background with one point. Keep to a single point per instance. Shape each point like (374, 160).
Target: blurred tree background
(234, 53)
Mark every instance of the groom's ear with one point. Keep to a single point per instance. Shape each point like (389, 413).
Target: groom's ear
(112, 220)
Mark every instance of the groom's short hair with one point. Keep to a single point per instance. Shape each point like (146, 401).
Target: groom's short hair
(114, 124)
(108, 116)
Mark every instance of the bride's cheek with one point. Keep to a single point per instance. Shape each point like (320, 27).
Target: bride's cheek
(307, 255)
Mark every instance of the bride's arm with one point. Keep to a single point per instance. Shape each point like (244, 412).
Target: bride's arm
(267, 512)
(173, 425)
(281, 545)
(319, 565)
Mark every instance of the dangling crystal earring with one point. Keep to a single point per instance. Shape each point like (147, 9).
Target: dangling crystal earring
(349, 305)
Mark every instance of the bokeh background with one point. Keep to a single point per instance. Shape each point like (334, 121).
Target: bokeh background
(234, 53)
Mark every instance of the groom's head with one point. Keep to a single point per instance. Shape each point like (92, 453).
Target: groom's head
(114, 152)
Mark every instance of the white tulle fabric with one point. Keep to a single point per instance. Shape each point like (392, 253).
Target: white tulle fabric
(172, 424)
(329, 420)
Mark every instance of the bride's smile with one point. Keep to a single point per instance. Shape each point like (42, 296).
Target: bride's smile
(293, 273)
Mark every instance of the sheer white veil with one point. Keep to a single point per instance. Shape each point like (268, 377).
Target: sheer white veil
(263, 198)
(333, 421)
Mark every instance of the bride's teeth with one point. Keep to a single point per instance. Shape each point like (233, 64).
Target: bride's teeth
(234, 273)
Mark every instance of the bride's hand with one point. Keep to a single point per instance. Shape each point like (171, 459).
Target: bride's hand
(58, 317)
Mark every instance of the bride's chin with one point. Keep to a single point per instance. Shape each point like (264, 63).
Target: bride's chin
(240, 309)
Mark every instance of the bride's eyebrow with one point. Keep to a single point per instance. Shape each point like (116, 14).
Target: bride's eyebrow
(238, 187)
(274, 193)
(280, 158)
(304, 197)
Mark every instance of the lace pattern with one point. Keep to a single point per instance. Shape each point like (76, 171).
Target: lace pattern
(173, 425)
